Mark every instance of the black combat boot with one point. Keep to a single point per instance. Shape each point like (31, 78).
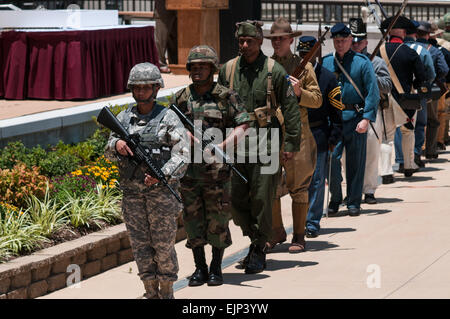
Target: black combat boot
(215, 269)
(257, 261)
(418, 161)
(244, 262)
(200, 275)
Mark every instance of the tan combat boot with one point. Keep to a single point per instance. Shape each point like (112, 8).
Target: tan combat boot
(151, 289)
(166, 290)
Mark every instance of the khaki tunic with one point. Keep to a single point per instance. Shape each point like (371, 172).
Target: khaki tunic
(300, 168)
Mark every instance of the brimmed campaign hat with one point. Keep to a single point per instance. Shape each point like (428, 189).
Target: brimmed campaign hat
(358, 29)
(281, 27)
(435, 31)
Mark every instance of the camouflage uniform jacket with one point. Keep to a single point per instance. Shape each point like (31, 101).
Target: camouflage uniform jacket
(159, 130)
(220, 108)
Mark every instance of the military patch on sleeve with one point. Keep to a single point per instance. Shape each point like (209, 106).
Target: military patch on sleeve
(290, 92)
(335, 98)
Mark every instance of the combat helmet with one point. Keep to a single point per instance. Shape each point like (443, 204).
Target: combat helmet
(145, 73)
(202, 53)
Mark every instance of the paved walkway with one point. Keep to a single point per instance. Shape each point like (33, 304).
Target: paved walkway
(398, 248)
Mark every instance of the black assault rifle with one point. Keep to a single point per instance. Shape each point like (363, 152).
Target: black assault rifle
(206, 141)
(141, 154)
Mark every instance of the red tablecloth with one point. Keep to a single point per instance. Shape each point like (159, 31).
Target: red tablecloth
(67, 65)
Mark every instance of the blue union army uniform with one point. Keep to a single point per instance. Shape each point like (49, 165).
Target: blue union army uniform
(360, 69)
(326, 127)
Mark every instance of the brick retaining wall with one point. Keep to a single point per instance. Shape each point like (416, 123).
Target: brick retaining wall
(47, 270)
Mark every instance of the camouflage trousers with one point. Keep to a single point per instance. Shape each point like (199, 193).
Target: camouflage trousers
(206, 212)
(151, 221)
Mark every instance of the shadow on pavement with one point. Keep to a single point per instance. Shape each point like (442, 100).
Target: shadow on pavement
(375, 211)
(437, 160)
(239, 279)
(381, 200)
(430, 169)
(325, 231)
(311, 245)
(414, 178)
(273, 265)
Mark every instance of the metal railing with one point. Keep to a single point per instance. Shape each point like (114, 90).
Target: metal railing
(339, 11)
(123, 5)
(303, 11)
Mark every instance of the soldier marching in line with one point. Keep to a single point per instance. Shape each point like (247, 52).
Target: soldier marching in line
(359, 33)
(326, 126)
(421, 121)
(360, 96)
(205, 186)
(404, 63)
(271, 103)
(441, 68)
(299, 169)
(149, 211)
(442, 35)
(442, 107)
(428, 115)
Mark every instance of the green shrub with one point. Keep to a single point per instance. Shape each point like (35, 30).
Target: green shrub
(83, 151)
(19, 182)
(98, 141)
(58, 164)
(11, 154)
(35, 156)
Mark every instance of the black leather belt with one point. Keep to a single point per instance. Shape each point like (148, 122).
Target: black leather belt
(316, 124)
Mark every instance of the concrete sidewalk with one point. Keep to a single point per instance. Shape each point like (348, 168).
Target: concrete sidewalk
(398, 248)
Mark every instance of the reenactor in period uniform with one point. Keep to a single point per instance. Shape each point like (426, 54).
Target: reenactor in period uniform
(444, 24)
(403, 66)
(271, 102)
(300, 168)
(441, 68)
(441, 29)
(421, 120)
(149, 210)
(204, 188)
(360, 96)
(359, 33)
(442, 102)
(326, 126)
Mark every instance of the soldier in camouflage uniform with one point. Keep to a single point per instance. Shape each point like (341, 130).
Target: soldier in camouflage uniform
(204, 188)
(149, 210)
